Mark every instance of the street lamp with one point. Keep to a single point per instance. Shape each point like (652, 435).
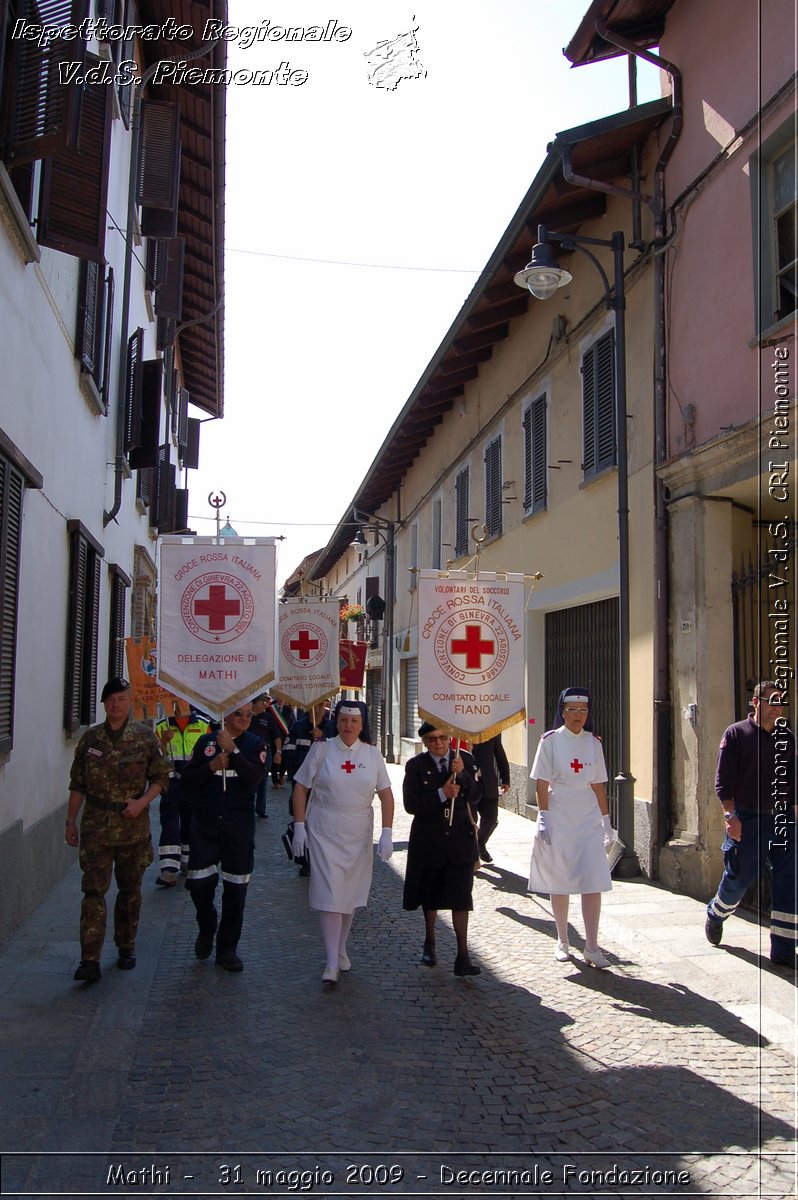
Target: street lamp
(542, 277)
(385, 530)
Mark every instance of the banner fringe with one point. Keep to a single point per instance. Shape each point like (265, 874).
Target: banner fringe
(468, 735)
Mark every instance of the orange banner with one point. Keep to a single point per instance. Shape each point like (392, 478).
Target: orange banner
(146, 693)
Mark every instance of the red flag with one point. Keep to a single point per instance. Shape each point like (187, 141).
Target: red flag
(353, 663)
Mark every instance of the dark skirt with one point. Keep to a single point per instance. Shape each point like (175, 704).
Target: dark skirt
(445, 885)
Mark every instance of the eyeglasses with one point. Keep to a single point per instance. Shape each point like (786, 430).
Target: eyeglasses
(775, 701)
(438, 737)
(246, 715)
(569, 708)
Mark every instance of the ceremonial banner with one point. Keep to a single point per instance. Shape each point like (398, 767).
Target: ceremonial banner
(146, 693)
(471, 659)
(353, 663)
(216, 619)
(307, 665)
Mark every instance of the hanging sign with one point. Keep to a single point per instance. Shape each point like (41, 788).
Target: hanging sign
(307, 663)
(145, 692)
(471, 653)
(216, 619)
(353, 663)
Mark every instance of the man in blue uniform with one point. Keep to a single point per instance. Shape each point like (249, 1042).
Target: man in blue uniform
(222, 777)
(755, 783)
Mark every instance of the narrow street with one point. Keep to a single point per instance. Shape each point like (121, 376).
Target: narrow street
(672, 1073)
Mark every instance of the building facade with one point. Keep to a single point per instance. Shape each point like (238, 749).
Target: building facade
(111, 335)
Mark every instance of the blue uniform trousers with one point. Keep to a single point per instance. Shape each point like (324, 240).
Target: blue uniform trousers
(766, 837)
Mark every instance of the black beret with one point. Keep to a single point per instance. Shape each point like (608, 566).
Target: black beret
(117, 684)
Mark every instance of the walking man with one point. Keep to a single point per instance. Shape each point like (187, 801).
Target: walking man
(118, 770)
(755, 783)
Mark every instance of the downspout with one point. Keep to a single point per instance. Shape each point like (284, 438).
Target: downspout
(663, 716)
(130, 222)
(663, 779)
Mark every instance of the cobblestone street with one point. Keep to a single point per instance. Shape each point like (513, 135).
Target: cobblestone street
(672, 1073)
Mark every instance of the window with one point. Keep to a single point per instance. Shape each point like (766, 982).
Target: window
(598, 406)
(95, 326)
(120, 582)
(437, 545)
(461, 500)
(16, 473)
(493, 487)
(83, 620)
(783, 202)
(534, 430)
(773, 191)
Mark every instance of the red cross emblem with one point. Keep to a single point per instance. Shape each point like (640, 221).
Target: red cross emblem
(348, 767)
(576, 765)
(303, 643)
(218, 607)
(473, 647)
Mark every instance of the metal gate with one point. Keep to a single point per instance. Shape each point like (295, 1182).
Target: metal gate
(410, 717)
(582, 651)
(374, 704)
(764, 576)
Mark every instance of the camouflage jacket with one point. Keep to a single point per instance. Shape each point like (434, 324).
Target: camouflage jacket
(118, 768)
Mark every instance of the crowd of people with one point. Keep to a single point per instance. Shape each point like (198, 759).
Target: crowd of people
(212, 783)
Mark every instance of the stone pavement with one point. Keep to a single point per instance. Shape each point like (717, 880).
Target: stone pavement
(673, 1073)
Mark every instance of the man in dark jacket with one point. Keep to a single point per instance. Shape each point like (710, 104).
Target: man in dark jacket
(441, 791)
(494, 779)
(755, 783)
(223, 774)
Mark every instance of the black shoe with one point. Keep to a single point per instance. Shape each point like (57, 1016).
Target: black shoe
(714, 930)
(204, 944)
(126, 960)
(229, 962)
(464, 966)
(88, 971)
(166, 879)
(304, 870)
(485, 854)
(785, 960)
(263, 816)
(428, 955)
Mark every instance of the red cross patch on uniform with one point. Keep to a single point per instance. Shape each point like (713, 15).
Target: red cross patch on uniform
(210, 750)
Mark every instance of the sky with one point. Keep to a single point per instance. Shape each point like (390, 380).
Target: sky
(358, 219)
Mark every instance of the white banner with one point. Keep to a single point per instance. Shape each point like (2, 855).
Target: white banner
(471, 655)
(217, 604)
(307, 665)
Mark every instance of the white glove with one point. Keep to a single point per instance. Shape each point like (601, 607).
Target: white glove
(299, 842)
(544, 833)
(609, 836)
(385, 845)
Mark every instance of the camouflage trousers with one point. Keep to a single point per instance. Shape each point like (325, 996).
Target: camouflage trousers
(97, 861)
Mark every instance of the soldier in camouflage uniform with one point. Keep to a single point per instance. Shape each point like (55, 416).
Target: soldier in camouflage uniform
(118, 769)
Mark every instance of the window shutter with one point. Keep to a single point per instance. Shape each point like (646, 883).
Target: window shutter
(181, 511)
(135, 349)
(116, 623)
(12, 485)
(539, 455)
(105, 389)
(598, 395)
(169, 294)
(144, 486)
(74, 195)
(89, 338)
(158, 181)
(83, 622)
(46, 107)
(162, 511)
(461, 512)
(145, 452)
(190, 456)
(165, 331)
(493, 487)
(526, 428)
(182, 421)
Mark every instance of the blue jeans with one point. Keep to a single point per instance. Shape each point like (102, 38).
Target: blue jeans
(765, 837)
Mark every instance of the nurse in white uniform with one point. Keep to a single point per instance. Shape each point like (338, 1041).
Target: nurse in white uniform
(343, 773)
(573, 826)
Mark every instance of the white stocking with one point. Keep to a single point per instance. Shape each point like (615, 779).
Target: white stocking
(559, 907)
(591, 911)
(346, 925)
(331, 932)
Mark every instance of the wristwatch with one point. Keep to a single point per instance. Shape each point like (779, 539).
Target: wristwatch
(235, 750)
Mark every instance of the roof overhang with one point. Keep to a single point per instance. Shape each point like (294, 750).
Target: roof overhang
(639, 21)
(600, 150)
(202, 209)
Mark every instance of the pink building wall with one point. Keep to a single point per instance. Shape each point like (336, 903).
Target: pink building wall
(732, 65)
